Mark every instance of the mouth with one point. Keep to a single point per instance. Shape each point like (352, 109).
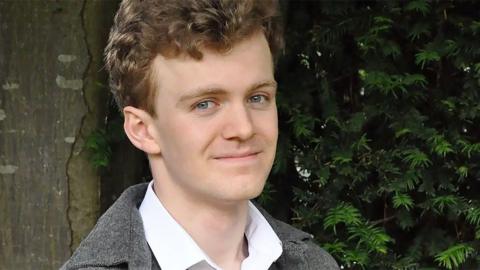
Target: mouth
(238, 156)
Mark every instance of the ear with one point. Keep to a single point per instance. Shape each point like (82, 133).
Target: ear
(138, 126)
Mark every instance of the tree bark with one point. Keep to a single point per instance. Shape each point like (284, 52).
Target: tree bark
(52, 95)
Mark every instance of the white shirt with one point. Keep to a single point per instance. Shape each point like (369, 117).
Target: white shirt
(175, 249)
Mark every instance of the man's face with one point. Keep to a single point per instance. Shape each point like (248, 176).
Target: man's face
(217, 122)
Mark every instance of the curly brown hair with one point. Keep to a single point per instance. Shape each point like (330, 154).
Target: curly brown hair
(145, 28)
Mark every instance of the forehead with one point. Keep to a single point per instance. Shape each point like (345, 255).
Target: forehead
(246, 63)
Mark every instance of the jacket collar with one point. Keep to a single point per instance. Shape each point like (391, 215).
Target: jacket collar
(118, 237)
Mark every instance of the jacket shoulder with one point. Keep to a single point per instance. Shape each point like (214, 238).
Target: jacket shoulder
(303, 253)
(317, 258)
(117, 241)
(299, 249)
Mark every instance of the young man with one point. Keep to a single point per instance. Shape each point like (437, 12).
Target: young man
(195, 81)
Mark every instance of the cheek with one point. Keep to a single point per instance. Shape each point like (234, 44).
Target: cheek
(192, 136)
(172, 136)
(268, 125)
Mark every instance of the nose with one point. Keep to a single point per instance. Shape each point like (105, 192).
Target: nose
(239, 124)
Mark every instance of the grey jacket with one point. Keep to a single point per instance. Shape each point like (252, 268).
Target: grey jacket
(118, 242)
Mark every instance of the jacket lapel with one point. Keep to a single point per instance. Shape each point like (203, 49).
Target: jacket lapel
(119, 239)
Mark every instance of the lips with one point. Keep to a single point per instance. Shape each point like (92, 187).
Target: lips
(237, 156)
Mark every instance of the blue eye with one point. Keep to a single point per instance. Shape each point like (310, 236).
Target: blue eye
(204, 105)
(258, 99)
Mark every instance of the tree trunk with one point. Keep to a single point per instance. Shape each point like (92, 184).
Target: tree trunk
(52, 96)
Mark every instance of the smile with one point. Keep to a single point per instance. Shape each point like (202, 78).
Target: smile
(238, 157)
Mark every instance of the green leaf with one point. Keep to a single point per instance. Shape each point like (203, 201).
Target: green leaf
(416, 158)
(382, 20)
(337, 247)
(424, 57)
(304, 216)
(415, 79)
(98, 145)
(411, 178)
(440, 146)
(402, 200)
(406, 263)
(343, 213)
(322, 176)
(381, 24)
(374, 238)
(361, 144)
(475, 27)
(385, 83)
(391, 49)
(441, 202)
(449, 104)
(356, 122)
(420, 6)
(473, 216)
(454, 256)
(418, 30)
(451, 48)
(462, 171)
(401, 132)
(404, 219)
(342, 156)
(303, 124)
(468, 148)
(476, 67)
(100, 160)
(355, 258)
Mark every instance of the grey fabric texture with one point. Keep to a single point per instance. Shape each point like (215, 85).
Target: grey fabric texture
(118, 242)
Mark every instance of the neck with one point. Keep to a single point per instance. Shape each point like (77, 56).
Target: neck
(217, 228)
(220, 233)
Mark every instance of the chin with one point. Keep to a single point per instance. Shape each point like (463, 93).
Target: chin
(246, 191)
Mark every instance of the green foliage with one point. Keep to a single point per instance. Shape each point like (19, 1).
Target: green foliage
(473, 216)
(419, 30)
(439, 203)
(468, 148)
(99, 146)
(416, 158)
(379, 111)
(454, 256)
(342, 213)
(425, 56)
(440, 146)
(391, 84)
(402, 200)
(373, 238)
(366, 238)
(420, 6)
(99, 143)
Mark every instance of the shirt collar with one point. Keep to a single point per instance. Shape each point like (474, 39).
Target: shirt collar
(171, 245)
(264, 246)
(174, 248)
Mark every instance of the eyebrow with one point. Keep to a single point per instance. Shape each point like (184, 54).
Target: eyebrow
(218, 91)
